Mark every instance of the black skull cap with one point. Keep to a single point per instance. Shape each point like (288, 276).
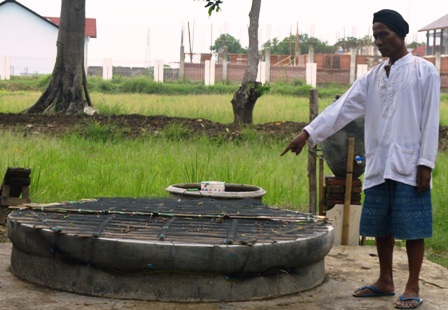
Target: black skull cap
(393, 20)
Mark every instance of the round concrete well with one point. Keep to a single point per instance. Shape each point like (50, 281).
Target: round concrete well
(169, 250)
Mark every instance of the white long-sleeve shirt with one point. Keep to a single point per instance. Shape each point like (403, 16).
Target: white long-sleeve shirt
(401, 119)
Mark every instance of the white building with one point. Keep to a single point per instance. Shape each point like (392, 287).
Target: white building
(28, 40)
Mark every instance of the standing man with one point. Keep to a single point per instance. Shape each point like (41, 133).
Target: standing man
(400, 100)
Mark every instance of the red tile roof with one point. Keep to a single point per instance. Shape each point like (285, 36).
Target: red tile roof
(90, 25)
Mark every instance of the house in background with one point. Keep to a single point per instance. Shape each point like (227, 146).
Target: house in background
(28, 40)
(419, 51)
(437, 36)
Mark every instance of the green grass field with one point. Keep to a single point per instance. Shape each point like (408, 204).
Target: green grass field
(72, 167)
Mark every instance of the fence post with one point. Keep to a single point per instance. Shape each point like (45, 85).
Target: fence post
(5, 70)
(182, 64)
(107, 69)
(225, 61)
(311, 74)
(352, 66)
(361, 70)
(438, 62)
(311, 55)
(209, 72)
(212, 72)
(158, 71)
(267, 60)
(261, 75)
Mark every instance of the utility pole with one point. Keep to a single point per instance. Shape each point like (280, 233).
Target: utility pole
(190, 41)
(148, 49)
(297, 50)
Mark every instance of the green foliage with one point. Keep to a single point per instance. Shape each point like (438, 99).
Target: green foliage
(233, 45)
(437, 250)
(331, 90)
(353, 43)
(194, 171)
(262, 89)
(283, 47)
(444, 97)
(109, 109)
(287, 45)
(176, 132)
(96, 132)
(249, 134)
(296, 88)
(213, 5)
(145, 167)
(145, 85)
(96, 83)
(414, 44)
(141, 85)
(25, 83)
(44, 81)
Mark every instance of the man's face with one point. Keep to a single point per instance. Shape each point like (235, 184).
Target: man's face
(388, 42)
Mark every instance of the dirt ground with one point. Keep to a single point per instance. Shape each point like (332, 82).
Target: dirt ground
(135, 125)
(347, 267)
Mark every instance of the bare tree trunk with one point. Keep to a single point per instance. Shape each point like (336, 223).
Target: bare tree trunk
(246, 96)
(67, 91)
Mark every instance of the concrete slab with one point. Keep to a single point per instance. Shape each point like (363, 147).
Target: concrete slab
(347, 267)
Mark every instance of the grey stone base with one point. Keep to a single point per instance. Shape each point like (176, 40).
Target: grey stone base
(162, 286)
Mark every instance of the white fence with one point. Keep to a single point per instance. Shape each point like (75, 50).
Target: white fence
(23, 66)
(16, 66)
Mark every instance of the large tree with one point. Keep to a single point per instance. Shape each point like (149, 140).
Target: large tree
(244, 99)
(233, 44)
(287, 45)
(67, 91)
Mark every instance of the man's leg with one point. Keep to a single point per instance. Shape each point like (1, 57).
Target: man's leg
(415, 250)
(385, 283)
(385, 248)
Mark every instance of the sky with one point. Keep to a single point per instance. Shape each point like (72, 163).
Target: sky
(135, 32)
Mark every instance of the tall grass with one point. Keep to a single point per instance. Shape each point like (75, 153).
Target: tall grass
(72, 167)
(217, 108)
(438, 244)
(444, 110)
(122, 95)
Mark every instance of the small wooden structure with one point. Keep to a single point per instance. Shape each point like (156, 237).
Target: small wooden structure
(14, 190)
(334, 192)
(340, 200)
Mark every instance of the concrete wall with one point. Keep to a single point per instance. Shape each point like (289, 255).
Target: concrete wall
(331, 68)
(235, 73)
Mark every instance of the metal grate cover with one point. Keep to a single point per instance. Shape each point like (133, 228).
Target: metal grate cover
(192, 221)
